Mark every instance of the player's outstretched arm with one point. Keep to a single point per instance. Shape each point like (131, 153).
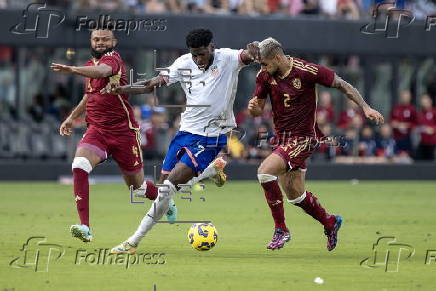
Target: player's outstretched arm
(355, 96)
(142, 87)
(255, 106)
(67, 125)
(95, 72)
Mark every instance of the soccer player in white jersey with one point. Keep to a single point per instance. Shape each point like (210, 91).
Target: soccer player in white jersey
(208, 76)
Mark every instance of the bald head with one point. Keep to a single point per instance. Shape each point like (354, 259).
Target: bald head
(269, 48)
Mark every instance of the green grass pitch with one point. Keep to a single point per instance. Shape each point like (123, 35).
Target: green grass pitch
(240, 261)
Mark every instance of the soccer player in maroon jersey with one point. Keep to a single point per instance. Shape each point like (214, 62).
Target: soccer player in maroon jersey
(403, 120)
(111, 126)
(291, 85)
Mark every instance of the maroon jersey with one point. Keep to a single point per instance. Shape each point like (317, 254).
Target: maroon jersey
(294, 97)
(327, 111)
(346, 117)
(108, 111)
(405, 114)
(427, 120)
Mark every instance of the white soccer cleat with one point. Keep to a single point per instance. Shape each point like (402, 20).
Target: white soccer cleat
(124, 248)
(220, 177)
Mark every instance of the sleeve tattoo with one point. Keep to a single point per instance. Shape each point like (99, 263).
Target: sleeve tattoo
(349, 91)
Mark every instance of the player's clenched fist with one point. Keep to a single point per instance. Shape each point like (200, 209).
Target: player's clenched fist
(254, 108)
(66, 127)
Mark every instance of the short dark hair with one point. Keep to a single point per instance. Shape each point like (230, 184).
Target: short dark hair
(198, 38)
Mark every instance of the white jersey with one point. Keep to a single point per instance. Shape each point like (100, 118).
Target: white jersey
(215, 88)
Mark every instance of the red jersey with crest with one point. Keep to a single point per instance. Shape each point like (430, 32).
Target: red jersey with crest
(403, 113)
(294, 97)
(108, 111)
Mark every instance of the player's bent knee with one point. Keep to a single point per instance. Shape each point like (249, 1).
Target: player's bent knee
(82, 163)
(264, 178)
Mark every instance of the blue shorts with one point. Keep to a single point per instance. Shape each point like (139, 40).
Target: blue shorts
(196, 151)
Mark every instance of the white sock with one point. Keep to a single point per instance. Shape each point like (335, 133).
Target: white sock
(208, 172)
(158, 208)
(298, 199)
(140, 192)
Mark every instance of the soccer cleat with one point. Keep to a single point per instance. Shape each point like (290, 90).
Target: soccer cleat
(124, 248)
(279, 239)
(220, 177)
(332, 235)
(82, 232)
(172, 211)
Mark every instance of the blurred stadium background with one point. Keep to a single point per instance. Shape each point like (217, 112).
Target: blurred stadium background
(396, 75)
(390, 59)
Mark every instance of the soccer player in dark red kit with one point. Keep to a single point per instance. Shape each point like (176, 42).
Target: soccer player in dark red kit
(111, 127)
(291, 85)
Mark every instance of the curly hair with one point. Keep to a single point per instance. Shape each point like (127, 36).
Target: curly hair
(199, 38)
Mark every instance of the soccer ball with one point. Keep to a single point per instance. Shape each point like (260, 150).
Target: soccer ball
(202, 236)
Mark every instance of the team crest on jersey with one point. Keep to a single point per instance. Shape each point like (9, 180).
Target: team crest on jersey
(296, 82)
(273, 82)
(214, 71)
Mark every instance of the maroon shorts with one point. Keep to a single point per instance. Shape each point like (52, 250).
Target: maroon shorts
(125, 147)
(295, 152)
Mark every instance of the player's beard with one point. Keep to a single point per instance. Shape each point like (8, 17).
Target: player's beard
(98, 54)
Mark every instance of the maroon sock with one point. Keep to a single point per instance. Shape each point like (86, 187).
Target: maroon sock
(311, 206)
(81, 194)
(274, 198)
(152, 191)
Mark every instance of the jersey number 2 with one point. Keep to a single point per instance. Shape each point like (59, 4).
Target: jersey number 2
(286, 100)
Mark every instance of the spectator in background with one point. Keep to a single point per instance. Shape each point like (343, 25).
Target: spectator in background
(292, 7)
(427, 128)
(350, 116)
(348, 9)
(259, 142)
(431, 87)
(325, 107)
(328, 7)
(403, 120)
(422, 8)
(326, 148)
(310, 7)
(147, 136)
(155, 6)
(36, 109)
(348, 148)
(385, 142)
(367, 144)
(200, 6)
